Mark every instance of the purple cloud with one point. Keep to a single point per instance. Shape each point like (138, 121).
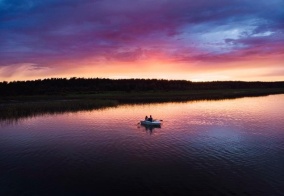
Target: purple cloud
(46, 32)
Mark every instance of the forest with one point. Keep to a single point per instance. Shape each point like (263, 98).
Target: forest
(62, 86)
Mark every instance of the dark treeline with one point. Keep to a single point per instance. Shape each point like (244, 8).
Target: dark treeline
(55, 86)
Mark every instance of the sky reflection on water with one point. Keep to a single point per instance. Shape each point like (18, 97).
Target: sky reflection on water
(205, 147)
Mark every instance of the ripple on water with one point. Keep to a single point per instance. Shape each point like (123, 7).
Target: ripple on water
(229, 147)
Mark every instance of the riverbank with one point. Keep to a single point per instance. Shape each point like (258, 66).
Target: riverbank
(31, 108)
(145, 96)
(24, 106)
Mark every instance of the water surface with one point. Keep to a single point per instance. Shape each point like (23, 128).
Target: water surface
(226, 147)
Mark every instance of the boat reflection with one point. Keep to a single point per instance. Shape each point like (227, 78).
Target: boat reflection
(150, 128)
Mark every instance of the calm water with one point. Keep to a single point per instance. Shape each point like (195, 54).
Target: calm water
(226, 147)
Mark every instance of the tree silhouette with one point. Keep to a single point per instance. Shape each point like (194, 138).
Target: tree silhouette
(62, 86)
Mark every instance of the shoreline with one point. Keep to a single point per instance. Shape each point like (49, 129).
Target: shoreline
(27, 106)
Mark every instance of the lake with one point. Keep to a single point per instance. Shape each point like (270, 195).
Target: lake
(223, 147)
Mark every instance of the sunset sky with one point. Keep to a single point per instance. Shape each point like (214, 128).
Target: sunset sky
(200, 40)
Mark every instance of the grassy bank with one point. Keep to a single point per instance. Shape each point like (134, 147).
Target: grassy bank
(23, 106)
(26, 109)
(166, 96)
(147, 96)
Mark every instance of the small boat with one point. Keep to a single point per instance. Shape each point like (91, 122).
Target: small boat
(151, 123)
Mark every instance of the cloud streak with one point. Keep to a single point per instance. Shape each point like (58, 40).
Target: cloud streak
(58, 33)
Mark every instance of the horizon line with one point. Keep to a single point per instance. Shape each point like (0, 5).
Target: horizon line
(102, 78)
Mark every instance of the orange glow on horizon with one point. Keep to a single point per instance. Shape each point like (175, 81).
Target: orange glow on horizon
(150, 69)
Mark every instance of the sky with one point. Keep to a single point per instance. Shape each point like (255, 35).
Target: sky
(204, 40)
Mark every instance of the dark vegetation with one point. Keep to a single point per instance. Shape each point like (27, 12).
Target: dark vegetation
(63, 86)
(26, 109)
(57, 95)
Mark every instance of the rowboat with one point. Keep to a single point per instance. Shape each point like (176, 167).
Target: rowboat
(151, 123)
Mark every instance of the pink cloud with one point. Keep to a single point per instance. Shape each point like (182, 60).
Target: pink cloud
(52, 32)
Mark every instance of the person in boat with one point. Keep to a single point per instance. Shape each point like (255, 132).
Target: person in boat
(150, 118)
(146, 117)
